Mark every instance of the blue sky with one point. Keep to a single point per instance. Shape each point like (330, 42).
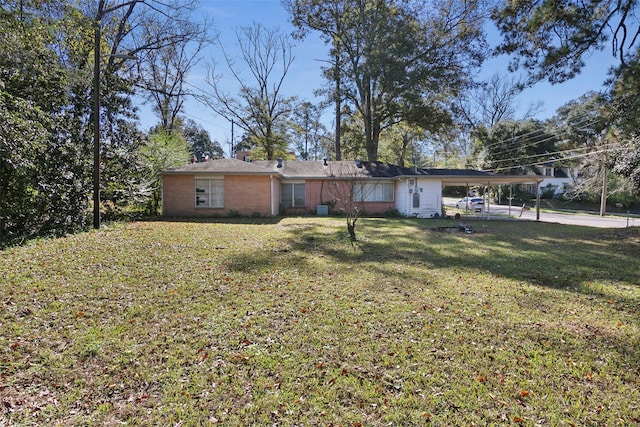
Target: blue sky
(305, 74)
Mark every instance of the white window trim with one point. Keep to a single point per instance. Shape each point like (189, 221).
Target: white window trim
(209, 180)
(372, 190)
(296, 182)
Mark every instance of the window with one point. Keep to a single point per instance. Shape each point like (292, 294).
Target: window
(379, 192)
(293, 195)
(210, 193)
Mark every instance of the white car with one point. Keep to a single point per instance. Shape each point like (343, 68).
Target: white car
(470, 202)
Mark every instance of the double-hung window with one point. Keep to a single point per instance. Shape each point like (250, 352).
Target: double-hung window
(210, 193)
(373, 192)
(293, 195)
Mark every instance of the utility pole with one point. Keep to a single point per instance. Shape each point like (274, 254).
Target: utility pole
(603, 196)
(96, 128)
(231, 142)
(336, 76)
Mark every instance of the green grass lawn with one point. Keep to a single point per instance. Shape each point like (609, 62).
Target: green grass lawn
(284, 323)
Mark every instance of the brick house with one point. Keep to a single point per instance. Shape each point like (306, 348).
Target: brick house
(279, 187)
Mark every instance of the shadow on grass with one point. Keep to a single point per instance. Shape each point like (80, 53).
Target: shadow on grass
(601, 266)
(219, 220)
(571, 258)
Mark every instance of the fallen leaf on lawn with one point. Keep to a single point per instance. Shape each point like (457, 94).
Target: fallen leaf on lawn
(241, 358)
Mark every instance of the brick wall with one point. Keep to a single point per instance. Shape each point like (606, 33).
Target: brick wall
(320, 191)
(246, 195)
(178, 195)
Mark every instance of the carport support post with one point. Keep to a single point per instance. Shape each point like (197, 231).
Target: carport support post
(488, 192)
(538, 201)
(466, 198)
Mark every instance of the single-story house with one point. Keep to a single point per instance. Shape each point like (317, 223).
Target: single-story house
(274, 187)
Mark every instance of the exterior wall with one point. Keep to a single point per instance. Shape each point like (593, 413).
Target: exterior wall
(318, 192)
(178, 195)
(429, 193)
(558, 183)
(245, 194)
(402, 195)
(321, 191)
(376, 208)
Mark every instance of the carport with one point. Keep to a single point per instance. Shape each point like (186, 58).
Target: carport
(468, 178)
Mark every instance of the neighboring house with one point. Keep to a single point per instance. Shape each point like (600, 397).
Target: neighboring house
(274, 187)
(554, 179)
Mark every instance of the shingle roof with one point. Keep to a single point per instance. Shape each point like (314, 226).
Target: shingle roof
(331, 169)
(346, 169)
(227, 166)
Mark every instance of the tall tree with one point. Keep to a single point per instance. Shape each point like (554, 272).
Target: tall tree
(551, 38)
(326, 17)
(514, 146)
(403, 60)
(489, 102)
(42, 175)
(402, 145)
(261, 108)
(199, 141)
(162, 150)
(626, 110)
(589, 145)
(164, 71)
(308, 131)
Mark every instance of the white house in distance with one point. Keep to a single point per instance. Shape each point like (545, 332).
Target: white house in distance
(558, 179)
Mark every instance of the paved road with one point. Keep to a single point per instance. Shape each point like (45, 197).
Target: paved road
(585, 219)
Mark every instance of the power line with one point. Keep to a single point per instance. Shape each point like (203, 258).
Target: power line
(577, 156)
(588, 120)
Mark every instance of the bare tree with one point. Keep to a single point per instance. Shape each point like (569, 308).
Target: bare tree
(135, 27)
(493, 101)
(260, 108)
(349, 190)
(163, 71)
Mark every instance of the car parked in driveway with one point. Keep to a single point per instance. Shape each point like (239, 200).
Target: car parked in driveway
(470, 202)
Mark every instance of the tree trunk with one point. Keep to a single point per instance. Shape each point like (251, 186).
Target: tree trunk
(351, 228)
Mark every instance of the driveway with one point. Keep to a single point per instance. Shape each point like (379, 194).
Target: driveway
(560, 217)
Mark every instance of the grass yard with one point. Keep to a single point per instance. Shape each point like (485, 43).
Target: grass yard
(285, 323)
